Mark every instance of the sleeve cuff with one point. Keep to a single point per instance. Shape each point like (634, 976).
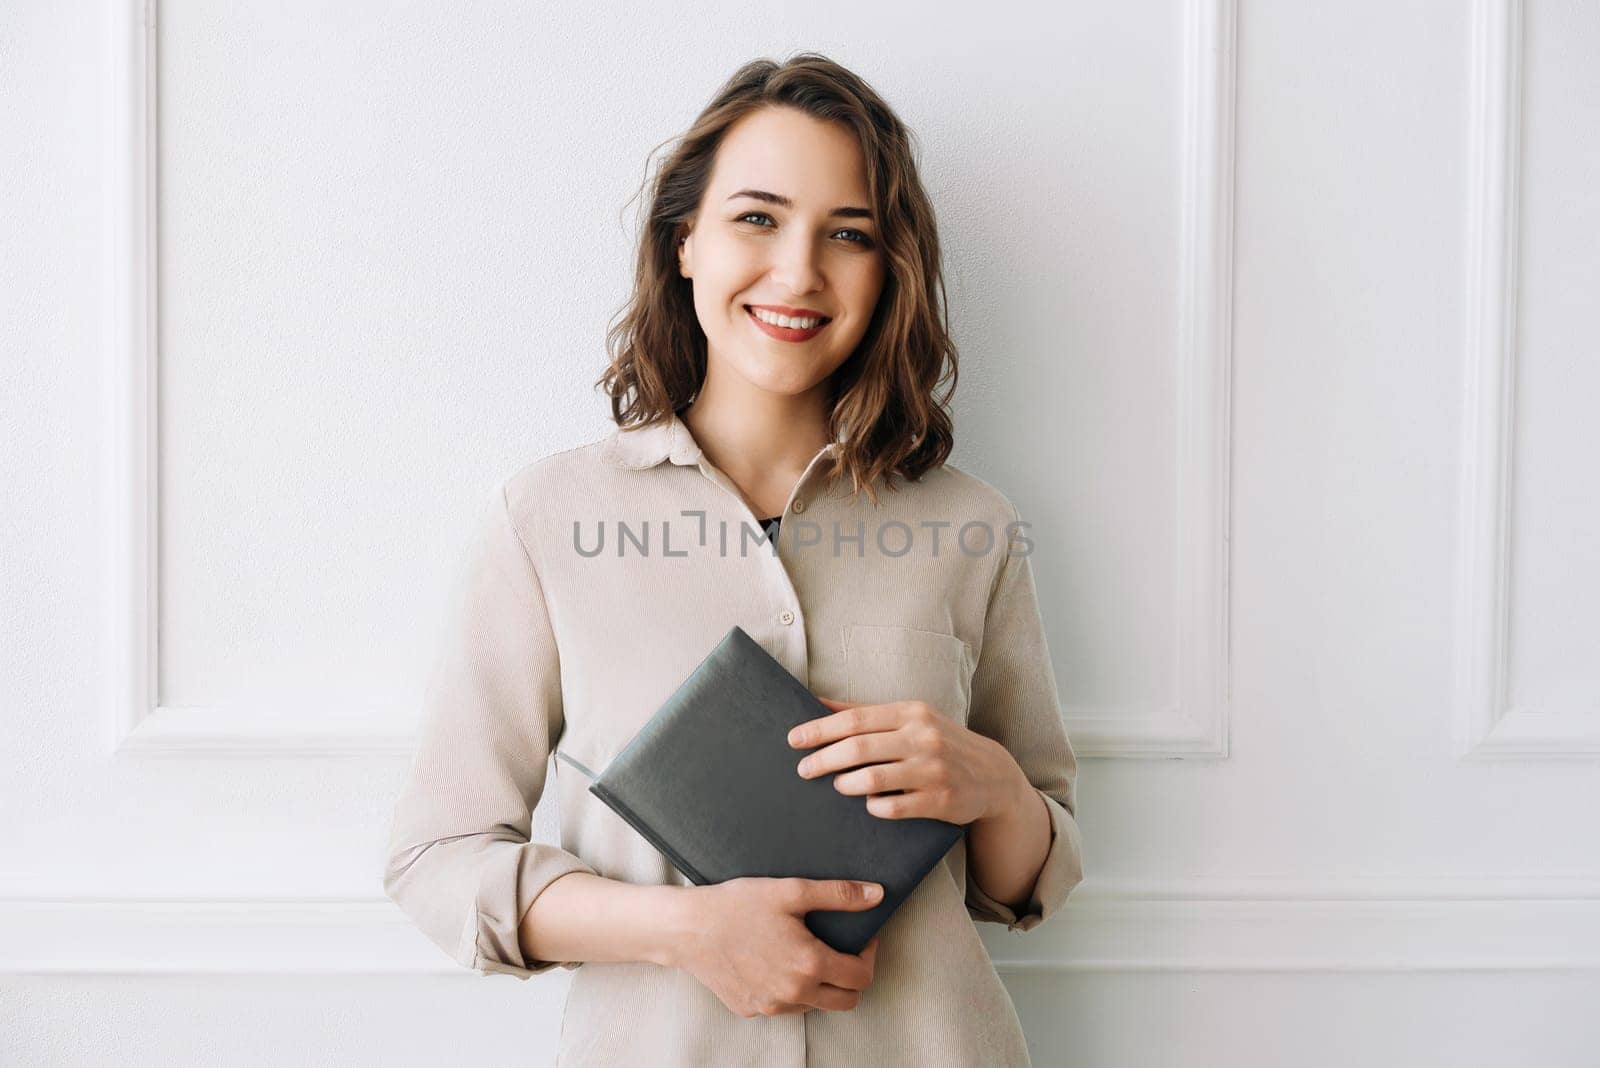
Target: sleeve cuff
(510, 883)
(1063, 870)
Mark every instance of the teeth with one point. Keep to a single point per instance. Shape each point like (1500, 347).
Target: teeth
(784, 320)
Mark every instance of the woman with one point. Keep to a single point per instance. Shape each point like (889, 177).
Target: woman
(782, 335)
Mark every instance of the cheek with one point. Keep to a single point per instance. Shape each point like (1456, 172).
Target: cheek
(864, 284)
(873, 278)
(729, 263)
(727, 290)
(718, 283)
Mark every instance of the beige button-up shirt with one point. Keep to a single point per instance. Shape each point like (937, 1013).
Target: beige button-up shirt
(599, 577)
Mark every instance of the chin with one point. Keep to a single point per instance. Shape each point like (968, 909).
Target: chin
(766, 375)
(781, 385)
(783, 388)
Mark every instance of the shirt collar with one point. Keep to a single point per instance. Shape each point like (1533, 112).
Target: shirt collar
(646, 446)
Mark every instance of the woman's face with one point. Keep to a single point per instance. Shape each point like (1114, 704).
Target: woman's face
(787, 249)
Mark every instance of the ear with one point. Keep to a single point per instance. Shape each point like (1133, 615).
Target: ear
(684, 267)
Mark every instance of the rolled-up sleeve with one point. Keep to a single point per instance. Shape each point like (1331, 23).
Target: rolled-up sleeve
(1015, 702)
(460, 863)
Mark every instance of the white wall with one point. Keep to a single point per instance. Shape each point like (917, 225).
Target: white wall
(1313, 483)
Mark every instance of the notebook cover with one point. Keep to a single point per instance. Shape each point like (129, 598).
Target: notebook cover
(710, 781)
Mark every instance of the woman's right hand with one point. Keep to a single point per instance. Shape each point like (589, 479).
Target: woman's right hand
(747, 942)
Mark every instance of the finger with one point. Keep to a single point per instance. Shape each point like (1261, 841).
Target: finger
(830, 703)
(869, 957)
(854, 751)
(880, 778)
(851, 719)
(869, 952)
(851, 971)
(834, 895)
(916, 803)
(847, 970)
(834, 998)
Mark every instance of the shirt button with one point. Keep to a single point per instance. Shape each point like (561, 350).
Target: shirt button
(786, 617)
(799, 504)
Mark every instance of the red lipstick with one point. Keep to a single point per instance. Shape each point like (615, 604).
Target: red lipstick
(784, 333)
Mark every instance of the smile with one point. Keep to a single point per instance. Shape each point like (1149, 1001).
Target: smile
(784, 328)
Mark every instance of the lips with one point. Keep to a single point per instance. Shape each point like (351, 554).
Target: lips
(784, 333)
(784, 309)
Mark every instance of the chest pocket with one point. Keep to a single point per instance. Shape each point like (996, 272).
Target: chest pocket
(901, 664)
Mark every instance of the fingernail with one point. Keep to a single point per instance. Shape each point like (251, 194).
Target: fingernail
(874, 892)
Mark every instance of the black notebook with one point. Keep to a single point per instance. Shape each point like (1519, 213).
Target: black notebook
(710, 781)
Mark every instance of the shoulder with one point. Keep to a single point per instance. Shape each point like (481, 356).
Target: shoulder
(554, 474)
(957, 492)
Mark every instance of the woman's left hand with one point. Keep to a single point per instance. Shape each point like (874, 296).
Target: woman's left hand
(947, 772)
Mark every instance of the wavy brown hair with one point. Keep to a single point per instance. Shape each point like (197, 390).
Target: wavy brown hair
(883, 411)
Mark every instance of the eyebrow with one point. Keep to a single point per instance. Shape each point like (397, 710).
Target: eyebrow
(785, 202)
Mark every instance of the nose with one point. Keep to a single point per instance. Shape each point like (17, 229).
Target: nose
(795, 268)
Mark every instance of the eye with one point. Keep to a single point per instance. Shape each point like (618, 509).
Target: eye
(859, 238)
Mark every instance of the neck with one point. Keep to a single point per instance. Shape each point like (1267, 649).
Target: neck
(759, 434)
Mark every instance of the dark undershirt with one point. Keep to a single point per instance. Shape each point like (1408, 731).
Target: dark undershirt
(770, 522)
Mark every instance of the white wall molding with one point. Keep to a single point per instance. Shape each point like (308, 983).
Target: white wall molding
(1198, 724)
(1345, 925)
(128, 346)
(1487, 726)
(128, 337)
(1115, 926)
